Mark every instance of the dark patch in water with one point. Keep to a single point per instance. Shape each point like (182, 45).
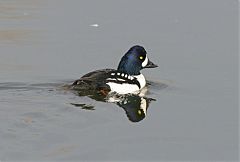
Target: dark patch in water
(83, 106)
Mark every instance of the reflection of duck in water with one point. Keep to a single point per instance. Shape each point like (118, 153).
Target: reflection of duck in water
(135, 105)
(126, 79)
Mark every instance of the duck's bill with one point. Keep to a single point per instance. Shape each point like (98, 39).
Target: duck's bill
(150, 64)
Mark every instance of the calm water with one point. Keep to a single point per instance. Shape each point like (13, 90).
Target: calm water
(192, 98)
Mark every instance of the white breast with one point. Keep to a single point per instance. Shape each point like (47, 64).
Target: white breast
(141, 80)
(128, 88)
(123, 88)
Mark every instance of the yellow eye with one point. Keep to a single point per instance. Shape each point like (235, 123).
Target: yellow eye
(141, 57)
(139, 112)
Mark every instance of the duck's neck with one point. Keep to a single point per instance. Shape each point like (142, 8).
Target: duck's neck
(128, 68)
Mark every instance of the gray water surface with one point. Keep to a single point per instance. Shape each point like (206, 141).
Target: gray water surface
(47, 44)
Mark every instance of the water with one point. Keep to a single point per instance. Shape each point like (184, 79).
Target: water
(192, 98)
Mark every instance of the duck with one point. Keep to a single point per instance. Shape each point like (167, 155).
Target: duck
(126, 79)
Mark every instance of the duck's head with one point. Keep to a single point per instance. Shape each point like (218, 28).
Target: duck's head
(135, 60)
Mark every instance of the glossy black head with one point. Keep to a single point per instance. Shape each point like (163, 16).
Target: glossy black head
(135, 60)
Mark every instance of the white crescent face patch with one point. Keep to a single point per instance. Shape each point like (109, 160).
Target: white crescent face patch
(145, 62)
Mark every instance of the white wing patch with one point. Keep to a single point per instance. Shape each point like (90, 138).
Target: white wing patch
(113, 79)
(121, 79)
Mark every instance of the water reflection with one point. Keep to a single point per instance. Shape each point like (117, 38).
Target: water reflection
(134, 105)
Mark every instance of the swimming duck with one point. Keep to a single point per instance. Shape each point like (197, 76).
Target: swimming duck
(126, 79)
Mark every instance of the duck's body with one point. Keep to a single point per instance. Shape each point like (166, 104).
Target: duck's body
(126, 79)
(110, 80)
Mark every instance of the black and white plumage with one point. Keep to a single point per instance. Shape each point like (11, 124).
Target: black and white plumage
(126, 79)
